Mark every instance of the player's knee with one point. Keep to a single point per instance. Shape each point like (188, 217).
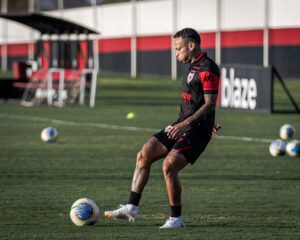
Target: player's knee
(168, 169)
(142, 159)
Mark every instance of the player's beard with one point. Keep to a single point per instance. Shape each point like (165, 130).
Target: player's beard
(185, 60)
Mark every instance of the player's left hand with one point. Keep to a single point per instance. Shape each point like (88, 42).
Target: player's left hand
(216, 128)
(178, 129)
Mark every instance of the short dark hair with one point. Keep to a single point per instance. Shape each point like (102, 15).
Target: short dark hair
(188, 33)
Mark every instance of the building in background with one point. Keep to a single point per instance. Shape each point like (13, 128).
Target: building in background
(136, 36)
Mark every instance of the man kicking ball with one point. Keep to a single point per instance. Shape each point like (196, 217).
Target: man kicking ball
(183, 141)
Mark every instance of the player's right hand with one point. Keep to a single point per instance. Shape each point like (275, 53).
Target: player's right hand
(178, 129)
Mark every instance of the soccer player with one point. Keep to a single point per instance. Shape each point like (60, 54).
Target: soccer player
(183, 141)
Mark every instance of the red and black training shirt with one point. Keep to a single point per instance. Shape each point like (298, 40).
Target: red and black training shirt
(202, 77)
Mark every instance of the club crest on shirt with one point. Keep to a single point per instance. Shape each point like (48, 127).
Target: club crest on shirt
(190, 76)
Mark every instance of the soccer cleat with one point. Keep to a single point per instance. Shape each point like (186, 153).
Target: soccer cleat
(128, 212)
(173, 222)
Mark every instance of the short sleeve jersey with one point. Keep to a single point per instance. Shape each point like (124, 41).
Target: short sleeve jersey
(202, 78)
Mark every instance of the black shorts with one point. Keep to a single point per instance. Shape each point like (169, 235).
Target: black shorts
(191, 144)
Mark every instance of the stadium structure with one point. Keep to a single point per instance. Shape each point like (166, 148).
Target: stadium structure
(136, 39)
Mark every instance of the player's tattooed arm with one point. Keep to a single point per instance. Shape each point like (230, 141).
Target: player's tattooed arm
(207, 108)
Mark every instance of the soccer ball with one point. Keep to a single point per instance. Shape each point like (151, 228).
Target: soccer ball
(287, 132)
(277, 148)
(49, 135)
(84, 211)
(293, 148)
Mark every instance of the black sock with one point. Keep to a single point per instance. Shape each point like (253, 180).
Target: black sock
(176, 211)
(134, 198)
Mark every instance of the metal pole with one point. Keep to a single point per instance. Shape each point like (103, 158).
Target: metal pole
(95, 41)
(96, 53)
(218, 47)
(133, 40)
(54, 50)
(60, 5)
(4, 35)
(31, 44)
(266, 35)
(173, 53)
(82, 88)
(49, 87)
(61, 87)
(93, 88)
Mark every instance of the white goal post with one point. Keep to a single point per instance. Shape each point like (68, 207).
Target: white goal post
(61, 86)
(93, 86)
(61, 72)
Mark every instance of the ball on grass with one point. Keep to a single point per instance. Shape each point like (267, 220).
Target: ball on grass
(49, 135)
(293, 148)
(287, 132)
(84, 211)
(130, 115)
(277, 148)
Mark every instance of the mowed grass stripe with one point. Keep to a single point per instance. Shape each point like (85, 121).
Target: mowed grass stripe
(235, 191)
(116, 127)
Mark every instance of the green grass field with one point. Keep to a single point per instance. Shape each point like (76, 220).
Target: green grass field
(236, 190)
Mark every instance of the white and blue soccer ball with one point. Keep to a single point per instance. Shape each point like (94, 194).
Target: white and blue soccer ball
(84, 211)
(287, 132)
(293, 148)
(49, 135)
(277, 147)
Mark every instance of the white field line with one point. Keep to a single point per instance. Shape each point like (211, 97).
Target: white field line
(115, 127)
